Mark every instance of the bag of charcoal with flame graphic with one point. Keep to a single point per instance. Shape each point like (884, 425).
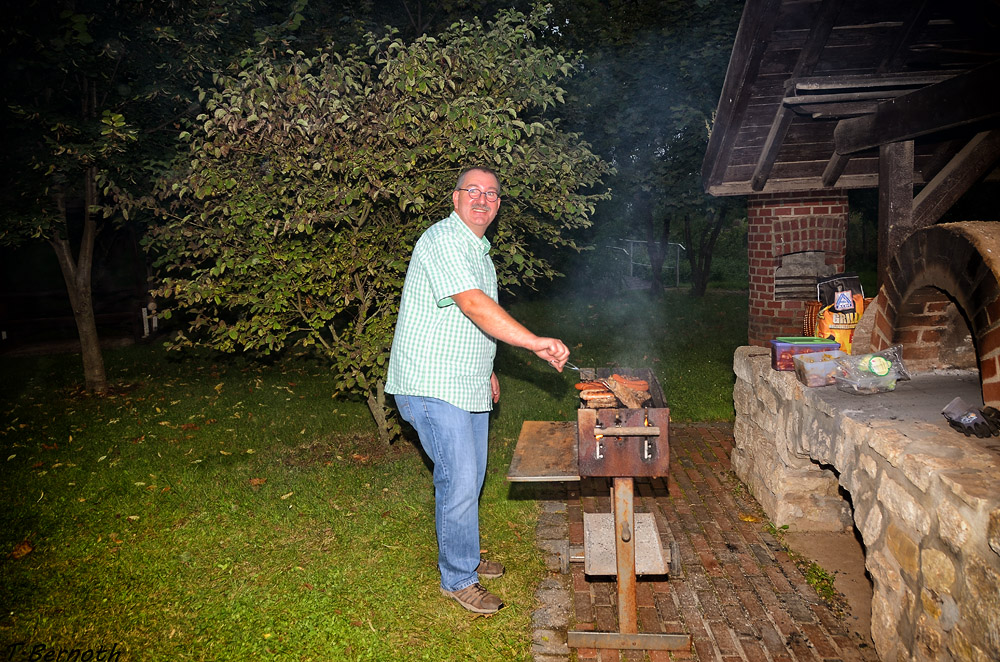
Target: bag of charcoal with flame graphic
(840, 306)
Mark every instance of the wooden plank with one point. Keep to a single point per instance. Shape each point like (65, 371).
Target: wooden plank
(895, 80)
(545, 451)
(775, 185)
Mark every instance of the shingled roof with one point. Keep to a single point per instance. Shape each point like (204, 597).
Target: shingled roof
(815, 87)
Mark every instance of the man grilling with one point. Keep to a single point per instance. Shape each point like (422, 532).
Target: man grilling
(441, 373)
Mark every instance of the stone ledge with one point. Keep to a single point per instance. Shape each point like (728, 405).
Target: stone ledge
(922, 495)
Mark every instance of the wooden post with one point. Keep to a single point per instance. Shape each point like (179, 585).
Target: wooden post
(895, 201)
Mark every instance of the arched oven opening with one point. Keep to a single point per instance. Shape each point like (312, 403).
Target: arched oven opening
(941, 302)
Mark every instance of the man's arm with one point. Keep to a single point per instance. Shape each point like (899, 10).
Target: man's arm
(497, 322)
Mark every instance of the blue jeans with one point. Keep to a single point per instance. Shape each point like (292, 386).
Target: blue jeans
(456, 441)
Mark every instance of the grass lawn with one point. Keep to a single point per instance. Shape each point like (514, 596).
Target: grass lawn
(214, 508)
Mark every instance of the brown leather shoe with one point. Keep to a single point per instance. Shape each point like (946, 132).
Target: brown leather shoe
(489, 569)
(476, 599)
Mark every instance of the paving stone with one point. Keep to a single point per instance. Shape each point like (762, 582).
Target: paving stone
(739, 596)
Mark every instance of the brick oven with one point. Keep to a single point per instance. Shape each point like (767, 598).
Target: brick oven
(941, 301)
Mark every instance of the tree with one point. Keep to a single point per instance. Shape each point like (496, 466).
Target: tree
(93, 94)
(309, 178)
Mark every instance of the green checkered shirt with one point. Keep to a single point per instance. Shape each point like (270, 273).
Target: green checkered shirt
(437, 351)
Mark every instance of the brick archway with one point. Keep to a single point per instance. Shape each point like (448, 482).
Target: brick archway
(941, 277)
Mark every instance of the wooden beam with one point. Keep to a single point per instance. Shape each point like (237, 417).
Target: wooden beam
(868, 81)
(839, 111)
(895, 55)
(895, 201)
(808, 57)
(793, 185)
(842, 97)
(769, 152)
(965, 169)
(752, 37)
(970, 97)
(835, 168)
(943, 152)
(818, 35)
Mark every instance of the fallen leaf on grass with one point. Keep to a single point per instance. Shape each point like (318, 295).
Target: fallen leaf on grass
(285, 496)
(257, 482)
(21, 550)
(190, 426)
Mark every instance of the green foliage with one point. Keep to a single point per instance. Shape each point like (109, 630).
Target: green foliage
(309, 178)
(93, 89)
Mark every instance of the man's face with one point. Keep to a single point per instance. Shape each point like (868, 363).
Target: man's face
(479, 213)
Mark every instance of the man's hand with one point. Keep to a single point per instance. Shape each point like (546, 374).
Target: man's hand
(495, 387)
(552, 350)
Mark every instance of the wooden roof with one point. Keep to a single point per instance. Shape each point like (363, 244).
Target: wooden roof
(815, 87)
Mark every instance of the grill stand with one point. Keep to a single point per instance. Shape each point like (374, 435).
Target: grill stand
(548, 452)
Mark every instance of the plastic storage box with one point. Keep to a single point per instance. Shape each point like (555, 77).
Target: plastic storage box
(818, 368)
(784, 348)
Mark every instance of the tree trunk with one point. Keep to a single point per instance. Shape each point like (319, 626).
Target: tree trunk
(642, 210)
(77, 274)
(699, 250)
(376, 404)
(657, 250)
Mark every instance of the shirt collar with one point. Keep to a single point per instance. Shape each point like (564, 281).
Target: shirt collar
(483, 242)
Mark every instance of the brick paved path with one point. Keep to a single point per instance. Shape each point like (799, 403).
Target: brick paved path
(740, 596)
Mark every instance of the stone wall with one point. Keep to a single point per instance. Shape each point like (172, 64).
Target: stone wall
(925, 499)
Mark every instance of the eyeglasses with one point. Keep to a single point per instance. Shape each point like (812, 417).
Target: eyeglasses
(474, 193)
